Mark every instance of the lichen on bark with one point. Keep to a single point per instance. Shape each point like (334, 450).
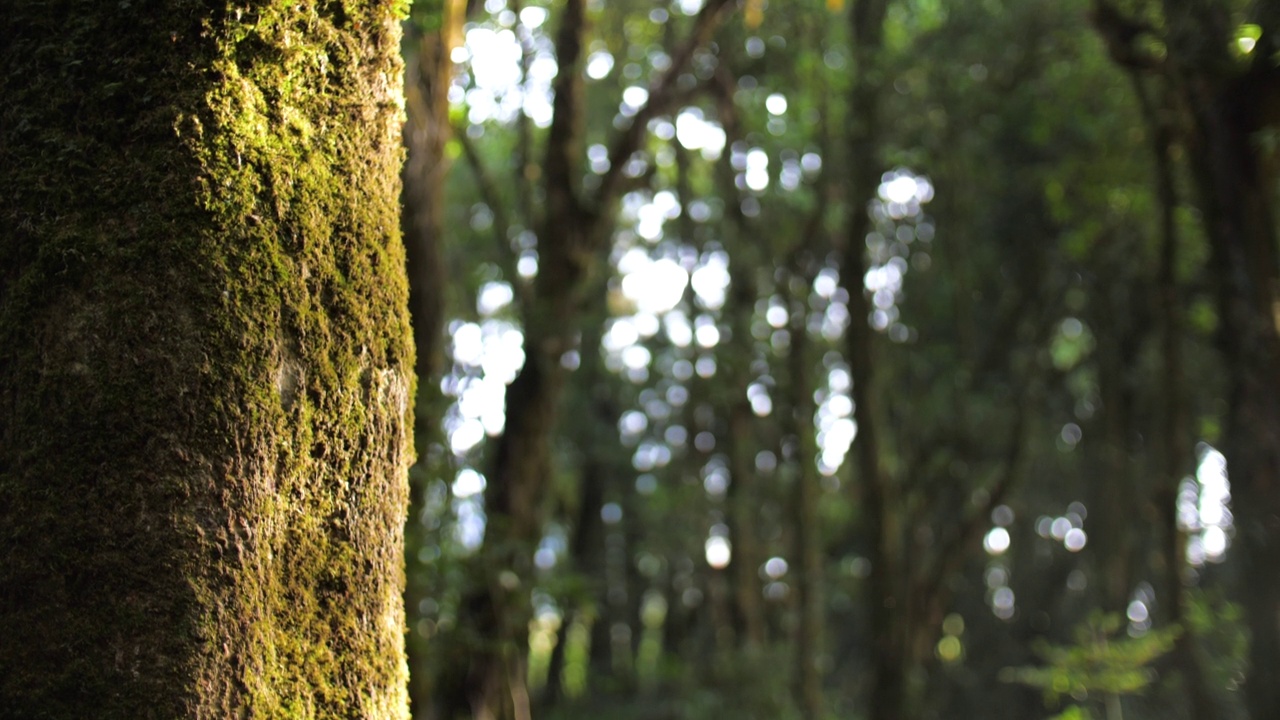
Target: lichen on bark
(205, 361)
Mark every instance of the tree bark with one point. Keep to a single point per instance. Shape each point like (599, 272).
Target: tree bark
(205, 362)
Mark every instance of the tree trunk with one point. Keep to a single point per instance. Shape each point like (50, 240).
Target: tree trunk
(1243, 246)
(1177, 458)
(205, 362)
(573, 231)
(1226, 101)
(591, 540)
(810, 633)
(433, 33)
(886, 654)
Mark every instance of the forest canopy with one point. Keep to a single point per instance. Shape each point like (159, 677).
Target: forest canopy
(883, 359)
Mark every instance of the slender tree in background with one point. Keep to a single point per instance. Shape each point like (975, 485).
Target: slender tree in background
(432, 32)
(1234, 178)
(872, 483)
(572, 231)
(205, 361)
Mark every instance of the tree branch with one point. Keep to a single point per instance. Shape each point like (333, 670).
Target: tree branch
(565, 134)
(492, 197)
(661, 94)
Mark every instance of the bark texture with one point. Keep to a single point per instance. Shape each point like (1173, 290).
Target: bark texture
(205, 361)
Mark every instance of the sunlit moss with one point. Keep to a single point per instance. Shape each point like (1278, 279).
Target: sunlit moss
(226, 403)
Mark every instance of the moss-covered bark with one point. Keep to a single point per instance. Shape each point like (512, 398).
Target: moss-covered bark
(205, 360)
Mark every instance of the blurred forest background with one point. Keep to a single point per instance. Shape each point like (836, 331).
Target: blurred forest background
(883, 359)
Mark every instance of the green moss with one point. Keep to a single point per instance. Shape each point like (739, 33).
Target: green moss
(205, 350)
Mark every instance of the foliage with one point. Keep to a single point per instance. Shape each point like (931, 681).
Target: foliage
(1034, 373)
(1099, 662)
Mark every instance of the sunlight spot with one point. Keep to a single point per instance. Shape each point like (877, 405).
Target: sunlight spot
(761, 405)
(757, 174)
(495, 58)
(949, 648)
(1075, 539)
(1002, 603)
(840, 404)
(493, 296)
(679, 332)
(777, 316)
(599, 64)
(900, 190)
(527, 265)
(776, 104)
(997, 541)
(532, 16)
(633, 98)
(706, 368)
(1002, 515)
(711, 279)
(840, 381)
(716, 481)
(544, 558)
(718, 552)
(1059, 528)
(706, 333)
(996, 577)
(622, 333)
(1137, 612)
(1247, 37)
(632, 423)
(468, 483)
(656, 287)
(696, 133)
(469, 528)
(1203, 508)
(636, 357)
(468, 344)
(1215, 542)
(811, 163)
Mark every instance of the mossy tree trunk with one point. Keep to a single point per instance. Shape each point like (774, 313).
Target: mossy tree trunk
(205, 361)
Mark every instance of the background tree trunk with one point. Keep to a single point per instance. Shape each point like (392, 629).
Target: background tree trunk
(432, 34)
(205, 362)
(885, 653)
(1235, 187)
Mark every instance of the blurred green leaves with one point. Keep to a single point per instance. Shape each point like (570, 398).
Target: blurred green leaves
(1099, 663)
